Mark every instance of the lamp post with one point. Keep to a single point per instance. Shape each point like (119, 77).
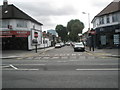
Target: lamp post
(88, 19)
(89, 38)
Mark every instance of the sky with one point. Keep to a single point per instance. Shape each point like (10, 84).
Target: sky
(54, 12)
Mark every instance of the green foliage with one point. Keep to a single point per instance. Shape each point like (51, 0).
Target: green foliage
(74, 27)
(62, 32)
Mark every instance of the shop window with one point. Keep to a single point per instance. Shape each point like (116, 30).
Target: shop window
(103, 39)
(116, 39)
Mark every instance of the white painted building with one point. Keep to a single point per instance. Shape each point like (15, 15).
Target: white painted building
(107, 26)
(17, 29)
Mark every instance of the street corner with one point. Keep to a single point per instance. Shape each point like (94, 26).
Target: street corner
(98, 54)
(89, 52)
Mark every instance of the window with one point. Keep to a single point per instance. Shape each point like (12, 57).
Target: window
(108, 19)
(114, 18)
(0, 23)
(116, 39)
(103, 40)
(22, 24)
(101, 20)
(4, 23)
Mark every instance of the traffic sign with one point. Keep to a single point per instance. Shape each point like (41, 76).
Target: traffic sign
(93, 32)
(35, 34)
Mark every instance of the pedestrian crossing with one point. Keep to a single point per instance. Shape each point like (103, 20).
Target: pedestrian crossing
(60, 56)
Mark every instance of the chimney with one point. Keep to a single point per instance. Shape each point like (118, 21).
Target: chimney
(5, 3)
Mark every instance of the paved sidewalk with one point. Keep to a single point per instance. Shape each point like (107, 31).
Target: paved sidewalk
(105, 52)
(9, 54)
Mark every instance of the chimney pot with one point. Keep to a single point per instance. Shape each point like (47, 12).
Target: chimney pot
(5, 2)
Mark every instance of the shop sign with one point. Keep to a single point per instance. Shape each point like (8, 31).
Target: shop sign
(93, 32)
(16, 33)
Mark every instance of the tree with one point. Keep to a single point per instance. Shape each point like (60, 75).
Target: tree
(74, 27)
(62, 32)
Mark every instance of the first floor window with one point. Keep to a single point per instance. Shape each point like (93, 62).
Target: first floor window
(4, 23)
(22, 24)
(114, 18)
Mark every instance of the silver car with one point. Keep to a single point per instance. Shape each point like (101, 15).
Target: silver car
(79, 47)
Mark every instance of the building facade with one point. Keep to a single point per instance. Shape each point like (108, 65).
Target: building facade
(107, 26)
(17, 29)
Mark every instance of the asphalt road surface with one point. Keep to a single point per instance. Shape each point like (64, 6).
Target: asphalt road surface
(60, 68)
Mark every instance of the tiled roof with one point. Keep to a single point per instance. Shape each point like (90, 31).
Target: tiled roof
(112, 7)
(12, 12)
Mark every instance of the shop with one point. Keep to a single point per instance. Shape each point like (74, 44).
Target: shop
(108, 37)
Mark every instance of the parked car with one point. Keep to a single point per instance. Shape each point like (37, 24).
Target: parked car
(62, 44)
(67, 43)
(79, 47)
(58, 45)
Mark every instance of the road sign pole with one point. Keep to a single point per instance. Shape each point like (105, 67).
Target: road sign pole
(36, 48)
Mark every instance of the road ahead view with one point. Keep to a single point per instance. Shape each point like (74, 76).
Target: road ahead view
(60, 44)
(61, 68)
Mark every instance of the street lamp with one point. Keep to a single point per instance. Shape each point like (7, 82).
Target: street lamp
(88, 19)
(88, 37)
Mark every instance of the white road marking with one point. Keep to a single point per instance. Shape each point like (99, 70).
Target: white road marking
(45, 57)
(73, 54)
(68, 54)
(28, 69)
(20, 69)
(54, 57)
(64, 57)
(5, 66)
(79, 54)
(74, 60)
(13, 66)
(104, 69)
(30, 64)
(61, 61)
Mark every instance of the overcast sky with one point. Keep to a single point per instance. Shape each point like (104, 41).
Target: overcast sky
(53, 12)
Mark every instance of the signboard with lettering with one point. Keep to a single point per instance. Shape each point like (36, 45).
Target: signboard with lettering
(16, 33)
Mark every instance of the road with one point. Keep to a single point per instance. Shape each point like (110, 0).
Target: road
(61, 68)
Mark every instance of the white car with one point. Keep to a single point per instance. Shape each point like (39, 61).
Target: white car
(58, 45)
(79, 47)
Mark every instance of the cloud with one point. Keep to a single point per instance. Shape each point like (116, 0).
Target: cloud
(46, 9)
(101, 3)
(45, 12)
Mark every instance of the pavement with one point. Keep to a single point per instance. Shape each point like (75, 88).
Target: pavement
(104, 52)
(9, 54)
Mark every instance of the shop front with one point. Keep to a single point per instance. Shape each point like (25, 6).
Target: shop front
(14, 40)
(108, 37)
